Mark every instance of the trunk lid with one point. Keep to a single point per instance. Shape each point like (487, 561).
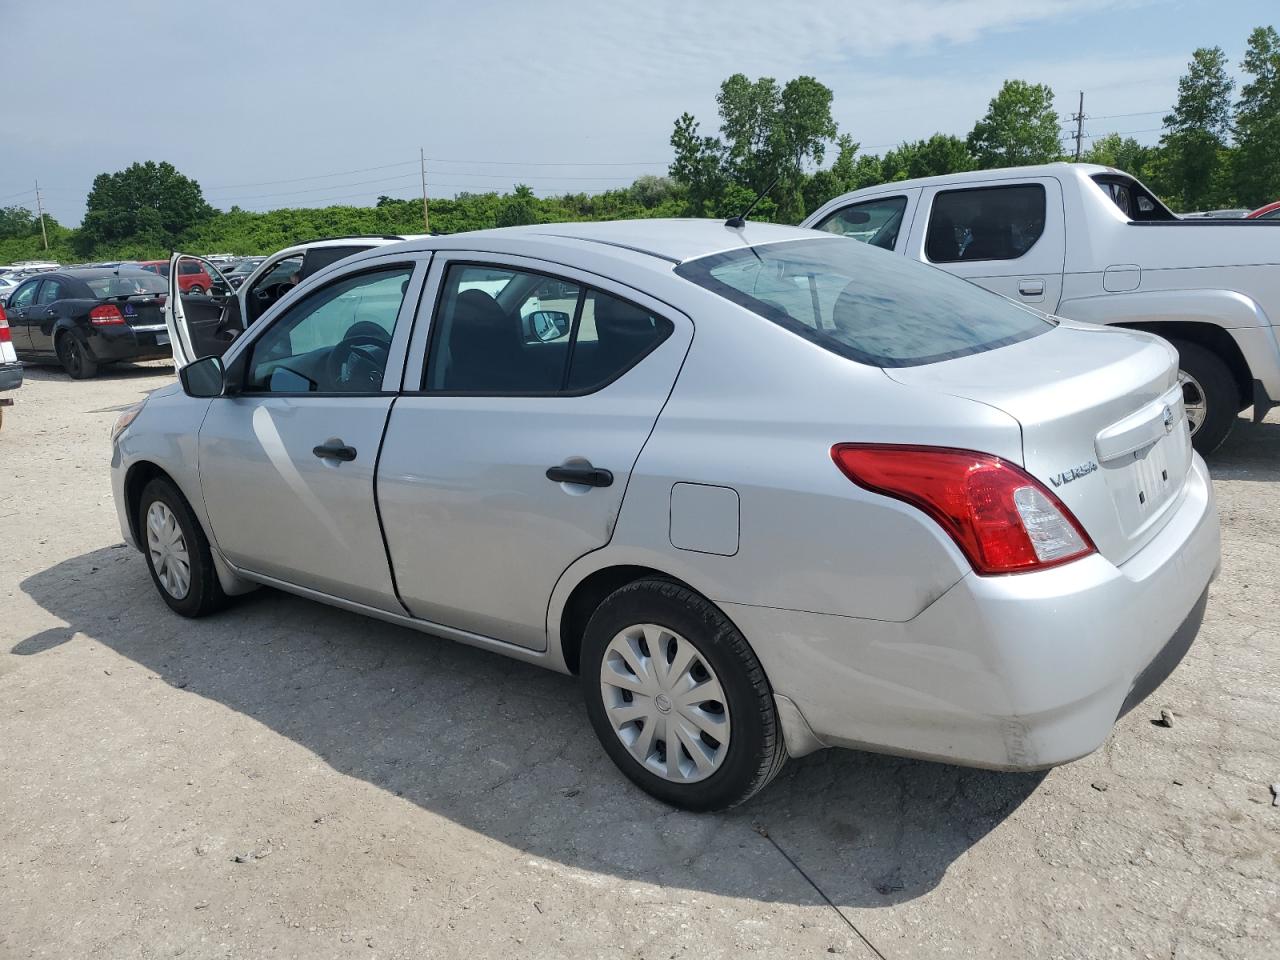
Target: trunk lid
(1103, 425)
(141, 310)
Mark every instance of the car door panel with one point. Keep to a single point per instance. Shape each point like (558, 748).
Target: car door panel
(20, 313)
(1035, 277)
(281, 502)
(477, 532)
(309, 521)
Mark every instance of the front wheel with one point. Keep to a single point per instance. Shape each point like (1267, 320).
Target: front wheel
(177, 551)
(1209, 395)
(678, 699)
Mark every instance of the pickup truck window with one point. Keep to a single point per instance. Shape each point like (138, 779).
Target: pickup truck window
(1132, 198)
(876, 222)
(868, 306)
(985, 223)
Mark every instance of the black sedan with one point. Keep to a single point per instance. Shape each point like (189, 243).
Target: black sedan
(84, 318)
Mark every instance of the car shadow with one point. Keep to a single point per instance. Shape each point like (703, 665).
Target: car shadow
(505, 748)
(34, 370)
(1250, 452)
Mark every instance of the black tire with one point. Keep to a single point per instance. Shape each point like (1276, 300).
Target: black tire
(1221, 394)
(204, 595)
(75, 357)
(756, 750)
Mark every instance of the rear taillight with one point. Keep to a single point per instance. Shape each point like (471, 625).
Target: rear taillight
(104, 315)
(5, 336)
(1002, 518)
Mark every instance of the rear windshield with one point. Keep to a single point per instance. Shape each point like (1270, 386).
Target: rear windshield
(866, 304)
(127, 285)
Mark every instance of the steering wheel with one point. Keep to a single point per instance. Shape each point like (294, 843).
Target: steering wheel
(357, 363)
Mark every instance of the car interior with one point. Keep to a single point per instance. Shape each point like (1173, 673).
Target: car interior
(989, 223)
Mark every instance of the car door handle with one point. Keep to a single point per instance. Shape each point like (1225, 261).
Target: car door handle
(335, 450)
(51, 313)
(585, 474)
(1031, 288)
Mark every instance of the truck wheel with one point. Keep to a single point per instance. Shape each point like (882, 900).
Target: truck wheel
(75, 358)
(1209, 394)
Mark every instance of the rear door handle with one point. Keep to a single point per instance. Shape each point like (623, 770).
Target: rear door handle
(335, 450)
(1031, 288)
(586, 475)
(51, 312)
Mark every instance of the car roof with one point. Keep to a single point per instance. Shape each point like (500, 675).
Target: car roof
(1002, 173)
(97, 273)
(674, 240)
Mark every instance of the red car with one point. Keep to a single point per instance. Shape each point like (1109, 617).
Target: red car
(1270, 212)
(192, 277)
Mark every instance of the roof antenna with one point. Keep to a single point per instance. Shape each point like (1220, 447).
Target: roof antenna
(740, 220)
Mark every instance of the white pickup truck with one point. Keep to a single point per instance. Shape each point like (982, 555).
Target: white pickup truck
(1092, 243)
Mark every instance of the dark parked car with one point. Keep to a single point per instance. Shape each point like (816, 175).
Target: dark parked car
(85, 318)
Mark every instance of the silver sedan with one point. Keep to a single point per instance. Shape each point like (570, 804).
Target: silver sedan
(765, 490)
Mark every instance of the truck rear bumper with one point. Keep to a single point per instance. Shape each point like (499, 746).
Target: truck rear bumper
(10, 377)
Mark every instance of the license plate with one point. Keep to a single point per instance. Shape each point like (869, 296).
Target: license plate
(162, 339)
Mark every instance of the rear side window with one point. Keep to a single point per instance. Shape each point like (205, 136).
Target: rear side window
(189, 266)
(985, 223)
(877, 222)
(52, 290)
(863, 304)
(500, 332)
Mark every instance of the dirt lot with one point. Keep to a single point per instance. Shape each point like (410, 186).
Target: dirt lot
(391, 795)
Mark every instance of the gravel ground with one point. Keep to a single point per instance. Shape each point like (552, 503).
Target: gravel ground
(286, 779)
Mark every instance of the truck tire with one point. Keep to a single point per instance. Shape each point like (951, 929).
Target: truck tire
(1210, 394)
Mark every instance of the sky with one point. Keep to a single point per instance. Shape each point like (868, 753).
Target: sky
(319, 102)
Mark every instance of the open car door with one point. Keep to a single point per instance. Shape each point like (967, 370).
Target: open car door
(205, 321)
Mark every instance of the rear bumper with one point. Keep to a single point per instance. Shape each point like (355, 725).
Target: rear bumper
(10, 376)
(122, 342)
(1018, 672)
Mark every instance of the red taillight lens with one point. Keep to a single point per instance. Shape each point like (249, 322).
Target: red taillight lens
(105, 314)
(1002, 518)
(5, 336)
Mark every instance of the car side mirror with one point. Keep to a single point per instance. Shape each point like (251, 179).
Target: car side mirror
(548, 325)
(204, 378)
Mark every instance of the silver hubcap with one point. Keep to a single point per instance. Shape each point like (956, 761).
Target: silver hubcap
(665, 703)
(1193, 400)
(168, 549)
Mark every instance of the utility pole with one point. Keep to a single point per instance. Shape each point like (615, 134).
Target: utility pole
(421, 160)
(40, 207)
(1079, 134)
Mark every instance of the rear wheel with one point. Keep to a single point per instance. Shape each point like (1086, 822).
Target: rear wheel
(74, 357)
(1209, 395)
(196, 290)
(177, 551)
(678, 699)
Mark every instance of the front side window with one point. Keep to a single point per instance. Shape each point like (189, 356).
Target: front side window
(499, 331)
(882, 310)
(877, 222)
(335, 340)
(23, 296)
(985, 223)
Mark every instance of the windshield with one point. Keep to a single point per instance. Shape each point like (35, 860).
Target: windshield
(865, 304)
(127, 285)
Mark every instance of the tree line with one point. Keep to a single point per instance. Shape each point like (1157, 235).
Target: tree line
(1220, 147)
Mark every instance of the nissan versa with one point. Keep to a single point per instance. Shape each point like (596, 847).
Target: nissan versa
(765, 490)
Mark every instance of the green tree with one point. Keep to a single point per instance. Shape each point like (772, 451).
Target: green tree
(767, 133)
(519, 208)
(148, 203)
(1257, 121)
(18, 222)
(1193, 168)
(940, 154)
(1020, 127)
(1123, 153)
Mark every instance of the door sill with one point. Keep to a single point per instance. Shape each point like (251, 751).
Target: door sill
(541, 657)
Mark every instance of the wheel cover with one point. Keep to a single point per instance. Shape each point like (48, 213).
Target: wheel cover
(168, 549)
(1193, 400)
(665, 703)
(71, 354)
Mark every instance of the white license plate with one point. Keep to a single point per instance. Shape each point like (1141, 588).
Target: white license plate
(162, 339)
